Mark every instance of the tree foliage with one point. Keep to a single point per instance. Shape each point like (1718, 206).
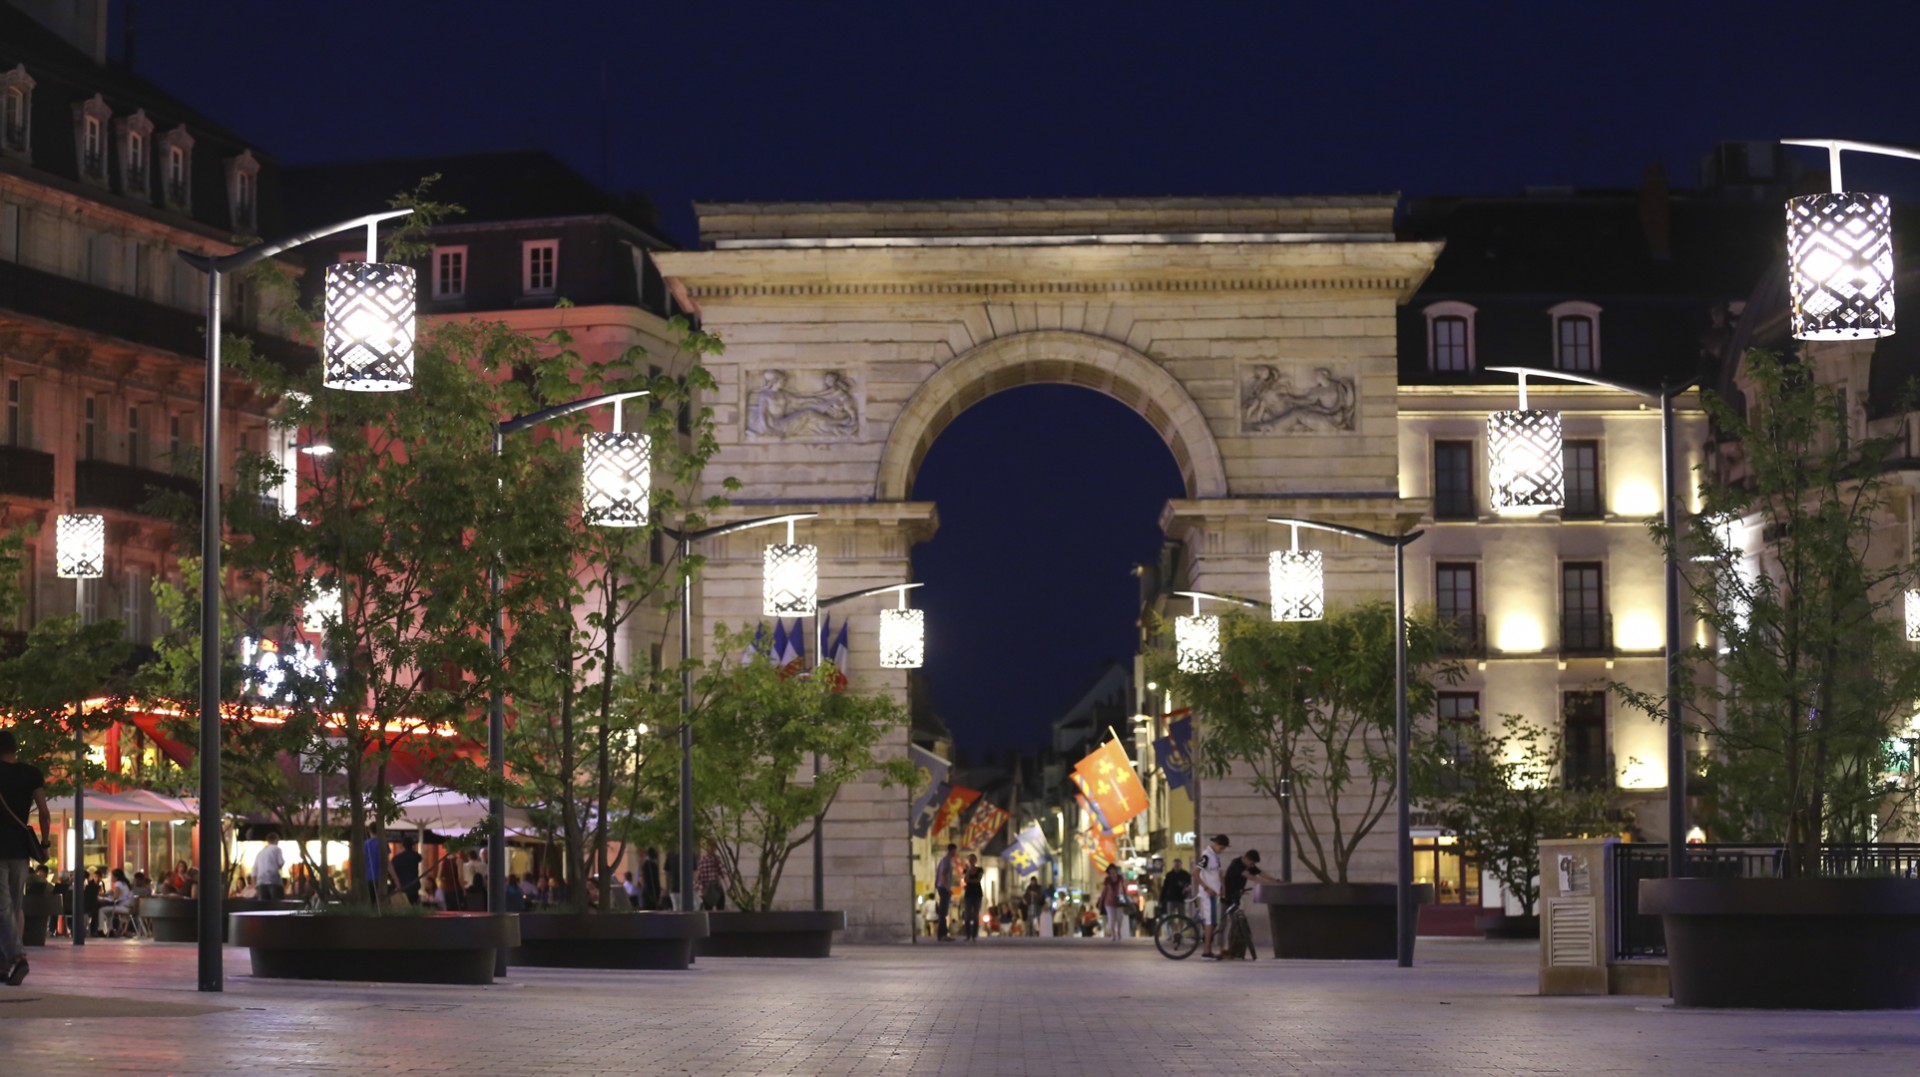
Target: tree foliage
(756, 733)
(1806, 685)
(1501, 794)
(1308, 710)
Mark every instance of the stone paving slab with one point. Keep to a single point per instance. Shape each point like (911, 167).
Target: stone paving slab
(999, 1008)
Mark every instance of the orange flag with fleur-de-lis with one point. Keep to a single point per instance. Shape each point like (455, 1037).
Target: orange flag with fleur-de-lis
(1107, 776)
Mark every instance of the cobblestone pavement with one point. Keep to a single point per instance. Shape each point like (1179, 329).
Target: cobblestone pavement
(1002, 1008)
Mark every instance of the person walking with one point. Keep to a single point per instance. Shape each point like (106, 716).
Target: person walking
(22, 790)
(1113, 902)
(269, 865)
(406, 870)
(970, 905)
(710, 880)
(946, 876)
(1210, 875)
(651, 884)
(1034, 900)
(449, 885)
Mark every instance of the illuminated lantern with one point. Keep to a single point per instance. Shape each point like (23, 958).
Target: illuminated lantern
(1526, 474)
(80, 546)
(1840, 265)
(1298, 580)
(616, 479)
(792, 581)
(1913, 616)
(324, 609)
(367, 338)
(1196, 643)
(903, 639)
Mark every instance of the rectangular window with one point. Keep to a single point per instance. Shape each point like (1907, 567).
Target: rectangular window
(1458, 718)
(174, 439)
(1583, 617)
(449, 272)
(1456, 602)
(136, 161)
(1585, 766)
(176, 174)
(1575, 335)
(539, 261)
(133, 605)
(10, 233)
(135, 450)
(1453, 480)
(94, 147)
(1450, 344)
(16, 431)
(1582, 462)
(89, 432)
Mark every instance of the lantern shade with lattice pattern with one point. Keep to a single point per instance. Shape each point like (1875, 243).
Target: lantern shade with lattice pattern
(1298, 579)
(1840, 265)
(616, 479)
(792, 584)
(80, 546)
(903, 639)
(1196, 643)
(1526, 474)
(325, 608)
(1913, 616)
(367, 339)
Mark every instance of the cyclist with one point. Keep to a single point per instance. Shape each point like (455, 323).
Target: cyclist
(1174, 886)
(1210, 866)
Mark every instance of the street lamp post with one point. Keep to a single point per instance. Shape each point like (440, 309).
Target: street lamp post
(1197, 650)
(1669, 458)
(80, 555)
(906, 651)
(1404, 910)
(686, 539)
(616, 483)
(368, 327)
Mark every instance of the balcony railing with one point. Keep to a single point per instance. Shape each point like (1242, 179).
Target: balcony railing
(1466, 635)
(26, 472)
(1586, 632)
(102, 485)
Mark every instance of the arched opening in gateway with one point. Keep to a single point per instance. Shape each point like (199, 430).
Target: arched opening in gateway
(1048, 496)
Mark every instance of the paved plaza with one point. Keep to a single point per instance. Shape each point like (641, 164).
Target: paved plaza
(1004, 1007)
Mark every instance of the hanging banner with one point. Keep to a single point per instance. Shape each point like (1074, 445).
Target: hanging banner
(983, 826)
(929, 788)
(1110, 783)
(1028, 851)
(958, 797)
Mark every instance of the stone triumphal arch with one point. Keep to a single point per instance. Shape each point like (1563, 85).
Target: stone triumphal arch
(1255, 335)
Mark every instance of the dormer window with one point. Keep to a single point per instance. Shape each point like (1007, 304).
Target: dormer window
(90, 119)
(1450, 337)
(1576, 337)
(16, 112)
(136, 140)
(176, 148)
(243, 176)
(540, 266)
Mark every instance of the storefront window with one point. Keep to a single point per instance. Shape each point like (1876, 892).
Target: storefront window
(1437, 862)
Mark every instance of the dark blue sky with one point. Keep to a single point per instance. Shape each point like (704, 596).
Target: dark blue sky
(877, 98)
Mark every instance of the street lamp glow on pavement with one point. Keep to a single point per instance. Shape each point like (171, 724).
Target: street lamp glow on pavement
(1840, 253)
(211, 920)
(1669, 455)
(1406, 914)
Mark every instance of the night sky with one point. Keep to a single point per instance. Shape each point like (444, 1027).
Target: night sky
(857, 100)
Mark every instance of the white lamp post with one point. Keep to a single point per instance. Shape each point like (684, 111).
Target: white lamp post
(1840, 254)
(1298, 581)
(79, 554)
(1669, 453)
(1406, 913)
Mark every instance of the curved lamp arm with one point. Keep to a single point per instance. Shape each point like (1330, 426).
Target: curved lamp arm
(1833, 146)
(521, 422)
(1354, 532)
(728, 529)
(227, 263)
(903, 588)
(1656, 396)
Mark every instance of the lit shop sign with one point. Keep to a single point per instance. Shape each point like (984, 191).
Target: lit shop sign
(1183, 837)
(270, 667)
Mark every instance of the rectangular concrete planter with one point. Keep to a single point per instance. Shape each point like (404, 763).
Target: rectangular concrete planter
(1334, 921)
(798, 933)
(619, 940)
(444, 948)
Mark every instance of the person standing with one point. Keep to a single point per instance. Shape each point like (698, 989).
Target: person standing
(448, 877)
(1032, 902)
(1211, 865)
(974, 892)
(22, 789)
(473, 881)
(1175, 886)
(651, 884)
(670, 882)
(269, 865)
(380, 879)
(1244, 870)
(945, 877)
(1113, 902)
(406, 870)
(710, 880)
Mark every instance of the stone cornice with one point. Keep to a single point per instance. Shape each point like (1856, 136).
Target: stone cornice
(824, 273)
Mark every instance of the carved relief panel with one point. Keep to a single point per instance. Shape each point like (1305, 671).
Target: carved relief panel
(801, 405)
(1298, 396)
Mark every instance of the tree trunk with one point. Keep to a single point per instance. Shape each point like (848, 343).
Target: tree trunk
(604, 788)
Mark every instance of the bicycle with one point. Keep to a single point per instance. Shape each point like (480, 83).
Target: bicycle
(1177, 934)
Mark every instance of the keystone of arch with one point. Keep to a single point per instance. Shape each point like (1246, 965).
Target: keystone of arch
(1060, 357)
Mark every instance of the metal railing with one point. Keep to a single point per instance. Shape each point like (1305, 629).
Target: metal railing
(1640, 935)
(1586, 632)
(1466, 635)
